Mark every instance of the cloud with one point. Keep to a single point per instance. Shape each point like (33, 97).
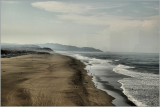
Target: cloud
(68, 7)
(124, 26)
(103, 19)
(80, 13)
(62, 7)
(111, 6)
(130, 10)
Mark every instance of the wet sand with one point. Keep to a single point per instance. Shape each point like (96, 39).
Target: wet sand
(48, 80)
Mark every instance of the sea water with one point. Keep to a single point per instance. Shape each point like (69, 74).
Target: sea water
(128, 77)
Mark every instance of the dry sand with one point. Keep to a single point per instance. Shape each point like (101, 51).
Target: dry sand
(48, 80)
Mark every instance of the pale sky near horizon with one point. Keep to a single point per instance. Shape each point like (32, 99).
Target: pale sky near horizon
(109, 25)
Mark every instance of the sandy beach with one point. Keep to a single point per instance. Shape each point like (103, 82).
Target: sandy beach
(48, 80)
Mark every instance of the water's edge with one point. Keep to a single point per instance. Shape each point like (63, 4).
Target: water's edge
(122, 99)
(127, 86)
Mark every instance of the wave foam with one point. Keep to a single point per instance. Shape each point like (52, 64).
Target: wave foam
(91, 60)
(140, 88)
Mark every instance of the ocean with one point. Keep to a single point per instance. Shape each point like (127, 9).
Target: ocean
(131, 78)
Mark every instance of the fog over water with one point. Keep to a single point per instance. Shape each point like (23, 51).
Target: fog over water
(109, 25)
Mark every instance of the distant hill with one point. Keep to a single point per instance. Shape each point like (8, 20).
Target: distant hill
(19, 47)
(46, 47)
(60, 47)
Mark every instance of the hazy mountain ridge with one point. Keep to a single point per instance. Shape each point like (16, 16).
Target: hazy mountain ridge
(47, 47)
(19, 47)
(60, 47)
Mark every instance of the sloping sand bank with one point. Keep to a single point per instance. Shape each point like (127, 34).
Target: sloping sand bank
(48, 80)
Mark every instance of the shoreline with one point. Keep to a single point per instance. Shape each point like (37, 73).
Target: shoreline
(50, 79)
(120, 99)
(106, 72)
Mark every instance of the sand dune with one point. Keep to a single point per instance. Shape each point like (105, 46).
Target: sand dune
(48, 80)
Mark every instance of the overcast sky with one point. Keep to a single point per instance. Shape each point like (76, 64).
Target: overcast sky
(110, 25)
